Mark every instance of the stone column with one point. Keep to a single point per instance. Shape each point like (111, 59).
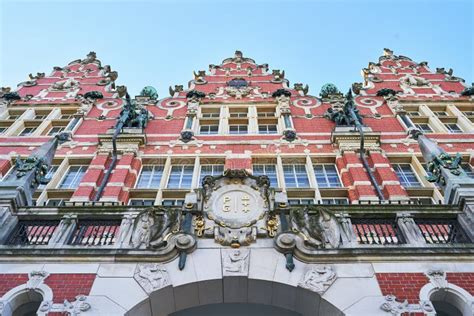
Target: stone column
(64, 230)
(410, 231)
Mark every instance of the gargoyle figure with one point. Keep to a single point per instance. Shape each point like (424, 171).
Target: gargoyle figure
(199, 76)
(277, 75)
(177, 88)
(319, 230)
(299, 87)
(39, 75)
(150, 229)
(22, 167)
(91, 57)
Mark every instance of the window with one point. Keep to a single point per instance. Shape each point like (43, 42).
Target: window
(150, 177)
(55, 202)
(73, 177)
(211, 115)
(336, 201)
(406, 175)
(238, 129)
(49, 175)
(211, 170)
(296, 176)
(440, 113)
(468, 169)
(267, 170)
(54, 130)
(266, 114)
(425, 128)
(300, 201)
(413, 113)
(238, 114)
(141, 202)
(180, 177)
(453, 128)
(172, 202)
(209, 129)
(2, 129)
(40, 117)
(326, 176)
(13, 117)
(27, 131)
(267, 129)
(66, 116)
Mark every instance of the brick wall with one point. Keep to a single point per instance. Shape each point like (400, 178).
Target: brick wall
(64, 286)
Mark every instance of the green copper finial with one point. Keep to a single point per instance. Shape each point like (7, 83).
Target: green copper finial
(328, 89)
(150, 92)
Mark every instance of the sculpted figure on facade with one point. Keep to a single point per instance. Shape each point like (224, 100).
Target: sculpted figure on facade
(318, 279)
(36, 278)
(235, 262)
(319, 227)
(65, 84)
(152, 226)
(438, 278)
(151, 276)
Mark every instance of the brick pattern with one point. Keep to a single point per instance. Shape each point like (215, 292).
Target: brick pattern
(64, 286)
(355, 177)
(386, 177)
(123, 177)
(92, 178)
(408, 285)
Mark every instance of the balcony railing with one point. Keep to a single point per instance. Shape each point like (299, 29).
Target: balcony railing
(441, 231)
(377, 231)
(95, 233)
(32, 233)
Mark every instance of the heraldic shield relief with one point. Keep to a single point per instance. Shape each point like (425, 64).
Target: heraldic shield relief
(236, 208)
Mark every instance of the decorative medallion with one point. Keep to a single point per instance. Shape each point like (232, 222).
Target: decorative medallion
(235, 204)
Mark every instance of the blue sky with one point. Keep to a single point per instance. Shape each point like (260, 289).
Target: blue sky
(160, 43)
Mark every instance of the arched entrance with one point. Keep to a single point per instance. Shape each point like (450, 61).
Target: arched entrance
(234, 296)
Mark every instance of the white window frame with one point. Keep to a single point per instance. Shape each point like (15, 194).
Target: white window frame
(81, 167)
(325, 173)
(154, 171)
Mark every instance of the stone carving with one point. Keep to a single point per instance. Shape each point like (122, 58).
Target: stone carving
(415, 81)
(303, 90)
(329, 91)
(278, 76)
(282, 97)
(199, 77)
(149, 92)
(71, 308)
(151, 276)
(35, 279)
(186, 136)
(235, 262)
(94, 95)
(289, 135)
(438, 278)
(238, 92)
(318, 279)
(320, 229)
(235, 206)
(65, 84)
(386, 92)
(151, 227)
(468, 91)
(133, 116)
(177, 89)
(38, 75)
(391, 305)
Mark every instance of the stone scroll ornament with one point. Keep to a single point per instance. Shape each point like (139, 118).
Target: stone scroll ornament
(159, 230)
(236, 208)
(152, 276)
(318, 279)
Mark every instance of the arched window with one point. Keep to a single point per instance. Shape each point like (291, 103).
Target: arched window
(26, 304)
(447, 303)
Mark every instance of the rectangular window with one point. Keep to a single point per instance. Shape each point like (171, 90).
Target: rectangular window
(54, 130)
(300, 201)
(2, 129)
(267, 170)
(73, 177)
(40, 117)
(172, 202)
(55, 202)
(266, 114)
(150, 177)
(327, 176)
(180, 177)
(66, 116)
(413, 113)
(296, 176)
(238, 114)
(336, 201)
(27, 131)
(209, 129)
(425, 128)
(210, 115)
(406, 175)
(267, 129)
(453, 128)
(441, 113)
(211, 170)
(141, 202)
(468, 169)
(238, 129)
(49, 175)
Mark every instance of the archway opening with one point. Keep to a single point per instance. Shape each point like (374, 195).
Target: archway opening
(235, 309)
(26, 303)
(447, 303)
